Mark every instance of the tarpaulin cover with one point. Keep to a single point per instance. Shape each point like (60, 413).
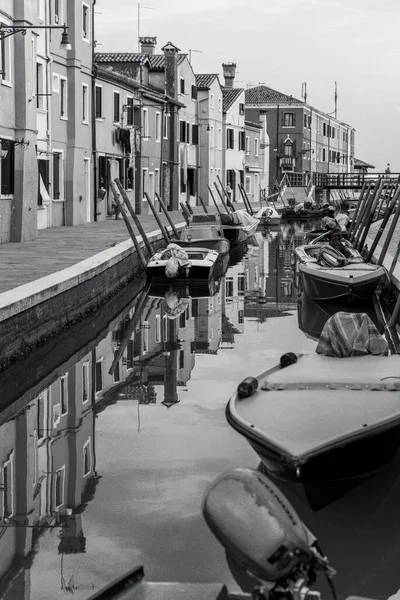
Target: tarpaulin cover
(351, 334)
(245, 219)
(267, 211)
(176, 258)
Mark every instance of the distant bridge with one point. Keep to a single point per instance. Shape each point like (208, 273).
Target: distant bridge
(349, 181)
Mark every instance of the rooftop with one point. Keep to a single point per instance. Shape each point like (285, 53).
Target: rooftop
(119, 57)
(360, 164)
(230, 95)
(157, 61)
(264, 95)
(204, 81)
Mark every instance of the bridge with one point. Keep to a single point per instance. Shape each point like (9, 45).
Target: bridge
(348, 181)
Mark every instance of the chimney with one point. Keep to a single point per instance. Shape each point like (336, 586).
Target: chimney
(229, 70)
(171, 69)
(147, 45)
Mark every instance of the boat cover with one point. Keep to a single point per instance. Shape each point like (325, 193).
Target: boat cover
(267, 211)
(176, 258)
(245, 219)
(351, 334)
(174, 306)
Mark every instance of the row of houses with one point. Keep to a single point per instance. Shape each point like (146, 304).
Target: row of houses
(73, 119)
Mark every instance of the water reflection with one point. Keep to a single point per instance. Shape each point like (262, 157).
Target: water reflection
(54, 449)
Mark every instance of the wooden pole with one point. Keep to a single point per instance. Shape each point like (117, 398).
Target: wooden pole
(129, 227)
(185, 213)
(134, 217)
(382, 227)
(360, 201)
(164, 232)
(131, 327)
(190, 209)
(366, 211)
(389, 236)
(214, 200)
(168, 216)
(370, 216)
(222, 199)
(228, 200)
(245, 199)
(203, 205)
(362, 206)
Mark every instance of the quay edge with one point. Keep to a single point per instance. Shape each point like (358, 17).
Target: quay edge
(34, 312)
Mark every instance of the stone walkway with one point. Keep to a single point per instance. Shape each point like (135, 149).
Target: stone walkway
(61, 247)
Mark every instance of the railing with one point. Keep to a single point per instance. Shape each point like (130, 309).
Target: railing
(350, 180)
(297, 179)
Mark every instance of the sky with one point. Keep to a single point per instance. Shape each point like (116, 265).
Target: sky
(283, 43)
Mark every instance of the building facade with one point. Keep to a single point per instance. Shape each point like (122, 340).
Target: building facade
(233, 132)
(303, 139)
(211, 139)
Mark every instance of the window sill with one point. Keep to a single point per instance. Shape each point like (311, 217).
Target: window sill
(100, 119)
(6, 83)
(63, 118)
(85, 122)
(288, 126)
(86, 39)
(58, 200)
(6, 196)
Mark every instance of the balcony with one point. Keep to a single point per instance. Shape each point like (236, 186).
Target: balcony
(287, 163)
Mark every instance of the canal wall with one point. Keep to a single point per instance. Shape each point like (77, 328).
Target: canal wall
(32, 313)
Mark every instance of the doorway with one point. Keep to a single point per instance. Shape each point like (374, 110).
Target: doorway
(87, 189)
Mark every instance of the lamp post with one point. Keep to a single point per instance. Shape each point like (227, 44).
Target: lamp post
(8, 30)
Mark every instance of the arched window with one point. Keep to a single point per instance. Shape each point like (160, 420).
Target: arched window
(288, 148)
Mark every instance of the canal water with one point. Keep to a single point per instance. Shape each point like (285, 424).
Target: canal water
(110, 436)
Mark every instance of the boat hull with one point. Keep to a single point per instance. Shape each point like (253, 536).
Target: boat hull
(320, 419)
(337, 284)
(157, 273)
(237, 234)
(270, 221)
(221, 246)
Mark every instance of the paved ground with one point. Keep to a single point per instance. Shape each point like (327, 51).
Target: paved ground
(61, 247)
(394, 242)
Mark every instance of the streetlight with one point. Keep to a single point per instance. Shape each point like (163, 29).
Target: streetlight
(8, 30)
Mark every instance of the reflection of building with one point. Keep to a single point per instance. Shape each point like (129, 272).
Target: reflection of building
(47, 471)
(208, 324)
(233, 303)
(280, 280)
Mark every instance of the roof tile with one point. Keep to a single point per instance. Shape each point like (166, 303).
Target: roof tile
(264, 95)
(205, 80)
(230, 95)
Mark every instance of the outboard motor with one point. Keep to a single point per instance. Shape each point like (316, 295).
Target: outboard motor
(261, 531)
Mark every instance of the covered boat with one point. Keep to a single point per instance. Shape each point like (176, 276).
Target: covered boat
(182, 264)
(268, 216)
(238, 226)
(205, 231)
(323, 417)
(324, 273)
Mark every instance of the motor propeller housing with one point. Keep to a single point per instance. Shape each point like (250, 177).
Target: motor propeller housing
(258, 526)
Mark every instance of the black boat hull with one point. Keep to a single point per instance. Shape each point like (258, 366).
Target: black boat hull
(319, 288)
(356, 458)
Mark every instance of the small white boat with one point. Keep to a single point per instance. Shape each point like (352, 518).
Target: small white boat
(323, 418)
(182, 264)
(268, 216)
(326, 274)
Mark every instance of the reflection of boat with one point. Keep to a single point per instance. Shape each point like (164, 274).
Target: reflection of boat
(189, 289)
(313, 315)
(238, 226)
(319, 418)
(194, 263)
(237, 253)
(292, 214)
(327, 274)
(205, 231)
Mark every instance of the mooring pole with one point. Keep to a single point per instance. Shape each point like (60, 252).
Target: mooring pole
(390, 233)
(228, 199)
(359, 210)
(214, 200)
(395, 259)
(190, 209)
(382, 226)
(135, 217)
(167, 215)
(367, 211)
(164, 232)
(185, 213)
(129, 227)
(203, 205)
(246, 200)
(370, 216)
(222, 199)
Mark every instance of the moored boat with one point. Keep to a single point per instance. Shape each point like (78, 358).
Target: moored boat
(238, 226)
(204, 231)
(322, 418)
(326, 274)
(182, 264)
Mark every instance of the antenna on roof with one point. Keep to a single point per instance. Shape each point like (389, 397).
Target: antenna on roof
(336, 97)
(304, 91)
(139, 7)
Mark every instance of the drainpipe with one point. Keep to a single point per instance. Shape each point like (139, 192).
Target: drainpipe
(277, 144)
(94, 141)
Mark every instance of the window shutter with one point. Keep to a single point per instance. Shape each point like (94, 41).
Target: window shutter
(195, 135)
(283, 119)
(194, 92)
(187, 132)
(56, 175)
(294, 119)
